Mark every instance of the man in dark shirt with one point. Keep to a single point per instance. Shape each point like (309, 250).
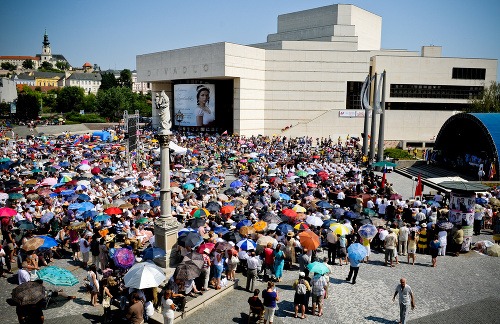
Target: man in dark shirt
(390, 212)
(256, 305)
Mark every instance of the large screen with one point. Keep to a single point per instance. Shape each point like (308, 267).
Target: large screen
(194, 105)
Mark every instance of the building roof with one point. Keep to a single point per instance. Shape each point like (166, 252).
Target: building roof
(24, 76)
(87, 64)
(18, 57)
(85, 76)
(464, 186)
(48, 75)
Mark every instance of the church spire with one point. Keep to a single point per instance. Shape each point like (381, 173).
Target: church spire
(46, 39)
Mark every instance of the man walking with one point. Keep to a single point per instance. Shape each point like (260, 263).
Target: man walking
(252, 267)
(406, 299)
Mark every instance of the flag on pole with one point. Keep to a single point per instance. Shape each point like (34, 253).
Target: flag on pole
(418, 189)
(382, 184)
(493, 170)
(225, 132)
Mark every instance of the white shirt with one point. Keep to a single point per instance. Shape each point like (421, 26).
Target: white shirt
(23, 276)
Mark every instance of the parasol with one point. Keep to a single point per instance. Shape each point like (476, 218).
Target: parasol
(28, 293)
(367, 231)
(124, 258)
(144, 275)
(57, 276)
(356, 252)
(309, 240)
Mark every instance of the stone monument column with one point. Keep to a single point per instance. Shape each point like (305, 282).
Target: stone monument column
(166, 226)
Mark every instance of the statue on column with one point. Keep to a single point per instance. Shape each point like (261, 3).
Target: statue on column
(163, 107)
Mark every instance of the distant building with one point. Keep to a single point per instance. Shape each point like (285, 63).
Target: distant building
(47, 55)
(8, 91)
(89, 82)
(19, 60)
(24, 79)
(140, 87)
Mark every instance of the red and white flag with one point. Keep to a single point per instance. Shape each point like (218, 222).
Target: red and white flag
(225, 132)
(418, 189)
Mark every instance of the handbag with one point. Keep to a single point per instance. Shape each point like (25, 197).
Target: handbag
(106, 301)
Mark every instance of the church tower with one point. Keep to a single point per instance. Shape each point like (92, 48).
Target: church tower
(46, 52)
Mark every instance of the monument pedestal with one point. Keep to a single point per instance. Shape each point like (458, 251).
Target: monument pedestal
(165, 238)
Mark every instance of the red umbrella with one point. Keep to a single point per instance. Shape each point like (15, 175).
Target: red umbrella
(301, 226)
(113, 211)
(316, 156)
(7, 212)
(95, 171)
(228, 209)
(204, 246)
(311, 185)
(290, 213)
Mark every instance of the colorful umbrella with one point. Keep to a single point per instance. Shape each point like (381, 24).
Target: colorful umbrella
(290, 213)
(142, 220)
(367, 231)
(124, 258)
(228, 209)
(236, 184)
(318, 267)
(301, 226)
(200, 212)
(209, 246)
(299, 209)
(247, 244)
(7, 212)
(340, 229)
(309, 240)
(356, 252)
(57, 276)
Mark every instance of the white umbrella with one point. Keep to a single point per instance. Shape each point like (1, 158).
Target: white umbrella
(84, 167)
(146, 183)
(313, 220)
(144, 275)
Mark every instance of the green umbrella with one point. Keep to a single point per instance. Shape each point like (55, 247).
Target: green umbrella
(5, 159)
(302, 173)
(318, 267)
(251, 161)
(57, 276)
(15, 195)
(369, 212)
(142, 220)
(36, 170)
(384, 164)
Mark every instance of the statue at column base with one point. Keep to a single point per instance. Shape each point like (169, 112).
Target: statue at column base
(166, 223)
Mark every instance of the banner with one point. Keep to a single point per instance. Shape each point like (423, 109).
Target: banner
(194, 105)
(462, 208)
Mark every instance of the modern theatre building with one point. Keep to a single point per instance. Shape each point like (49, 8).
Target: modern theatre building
(306, 80)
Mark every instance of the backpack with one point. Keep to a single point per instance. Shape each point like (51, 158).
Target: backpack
(301, 288)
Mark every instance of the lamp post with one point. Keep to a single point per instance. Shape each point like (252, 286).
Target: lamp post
(179, 117)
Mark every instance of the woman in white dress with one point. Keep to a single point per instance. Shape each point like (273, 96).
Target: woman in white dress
(204, 114)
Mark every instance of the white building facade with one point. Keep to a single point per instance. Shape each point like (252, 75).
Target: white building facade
(89, 82)
(308, 74)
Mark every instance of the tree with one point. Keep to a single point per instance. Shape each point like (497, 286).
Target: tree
(125, 79)
(70, 99)
(108, 81)
(28, 106)
(8, 66)
(489, 101)
(46, 66)
(28, 64)
(89, 103)
(62, 65)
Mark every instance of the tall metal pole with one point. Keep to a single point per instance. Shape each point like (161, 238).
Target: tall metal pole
(374, 124)
(381, 128)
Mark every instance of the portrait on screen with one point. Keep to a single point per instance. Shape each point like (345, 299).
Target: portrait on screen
(194, 105)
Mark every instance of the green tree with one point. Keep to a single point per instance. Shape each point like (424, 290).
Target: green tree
(108, 81)
(70, 99)
(125, 79)
(90, 103)
(489, 101)
(113, 102)
(8, 66)
(61, 65)
(28, 64)
(28, 106)
(46, 66)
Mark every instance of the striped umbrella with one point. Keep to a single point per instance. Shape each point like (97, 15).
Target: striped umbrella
(247, 244)
(200, 212)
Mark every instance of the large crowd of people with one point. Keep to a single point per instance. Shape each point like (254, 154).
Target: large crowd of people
(260, 205)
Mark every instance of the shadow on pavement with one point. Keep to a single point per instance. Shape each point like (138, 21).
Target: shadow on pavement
(378, 319)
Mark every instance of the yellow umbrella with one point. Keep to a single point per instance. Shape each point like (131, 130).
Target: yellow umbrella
(299, 209)
(341, 229)
(260, 226)
(154, 140)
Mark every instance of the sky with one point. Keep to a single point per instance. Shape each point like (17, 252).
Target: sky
(110, 33)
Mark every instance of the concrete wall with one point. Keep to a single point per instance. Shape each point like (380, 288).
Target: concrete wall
(8, 92)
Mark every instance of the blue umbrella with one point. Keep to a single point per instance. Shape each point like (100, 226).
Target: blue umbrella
(236, 184)
(68, 192)
(339, 212)
(324, 204)
(285, 196)
(154, 203)
(245, 222)
(328, 222)
(86, 206)
(351, 214)
(89, 213)
(83, 197)
(284, 228)
(48, 242)
(75, 206)
(221, 230)
(134, 196)
(47, 217)
(147, 197)
(107, 180)
(64, 164)
(153, 253)
(318, 267)
(356, 252)
(186, 230)
(101, 218)
(246, 244)
(57, 276)
(367, 231)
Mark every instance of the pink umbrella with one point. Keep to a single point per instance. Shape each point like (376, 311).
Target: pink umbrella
(124, 258)
(85, 162)
(48, 182)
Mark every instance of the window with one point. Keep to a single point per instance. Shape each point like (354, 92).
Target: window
(468, 73)
(353, 95)
(435, 91)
